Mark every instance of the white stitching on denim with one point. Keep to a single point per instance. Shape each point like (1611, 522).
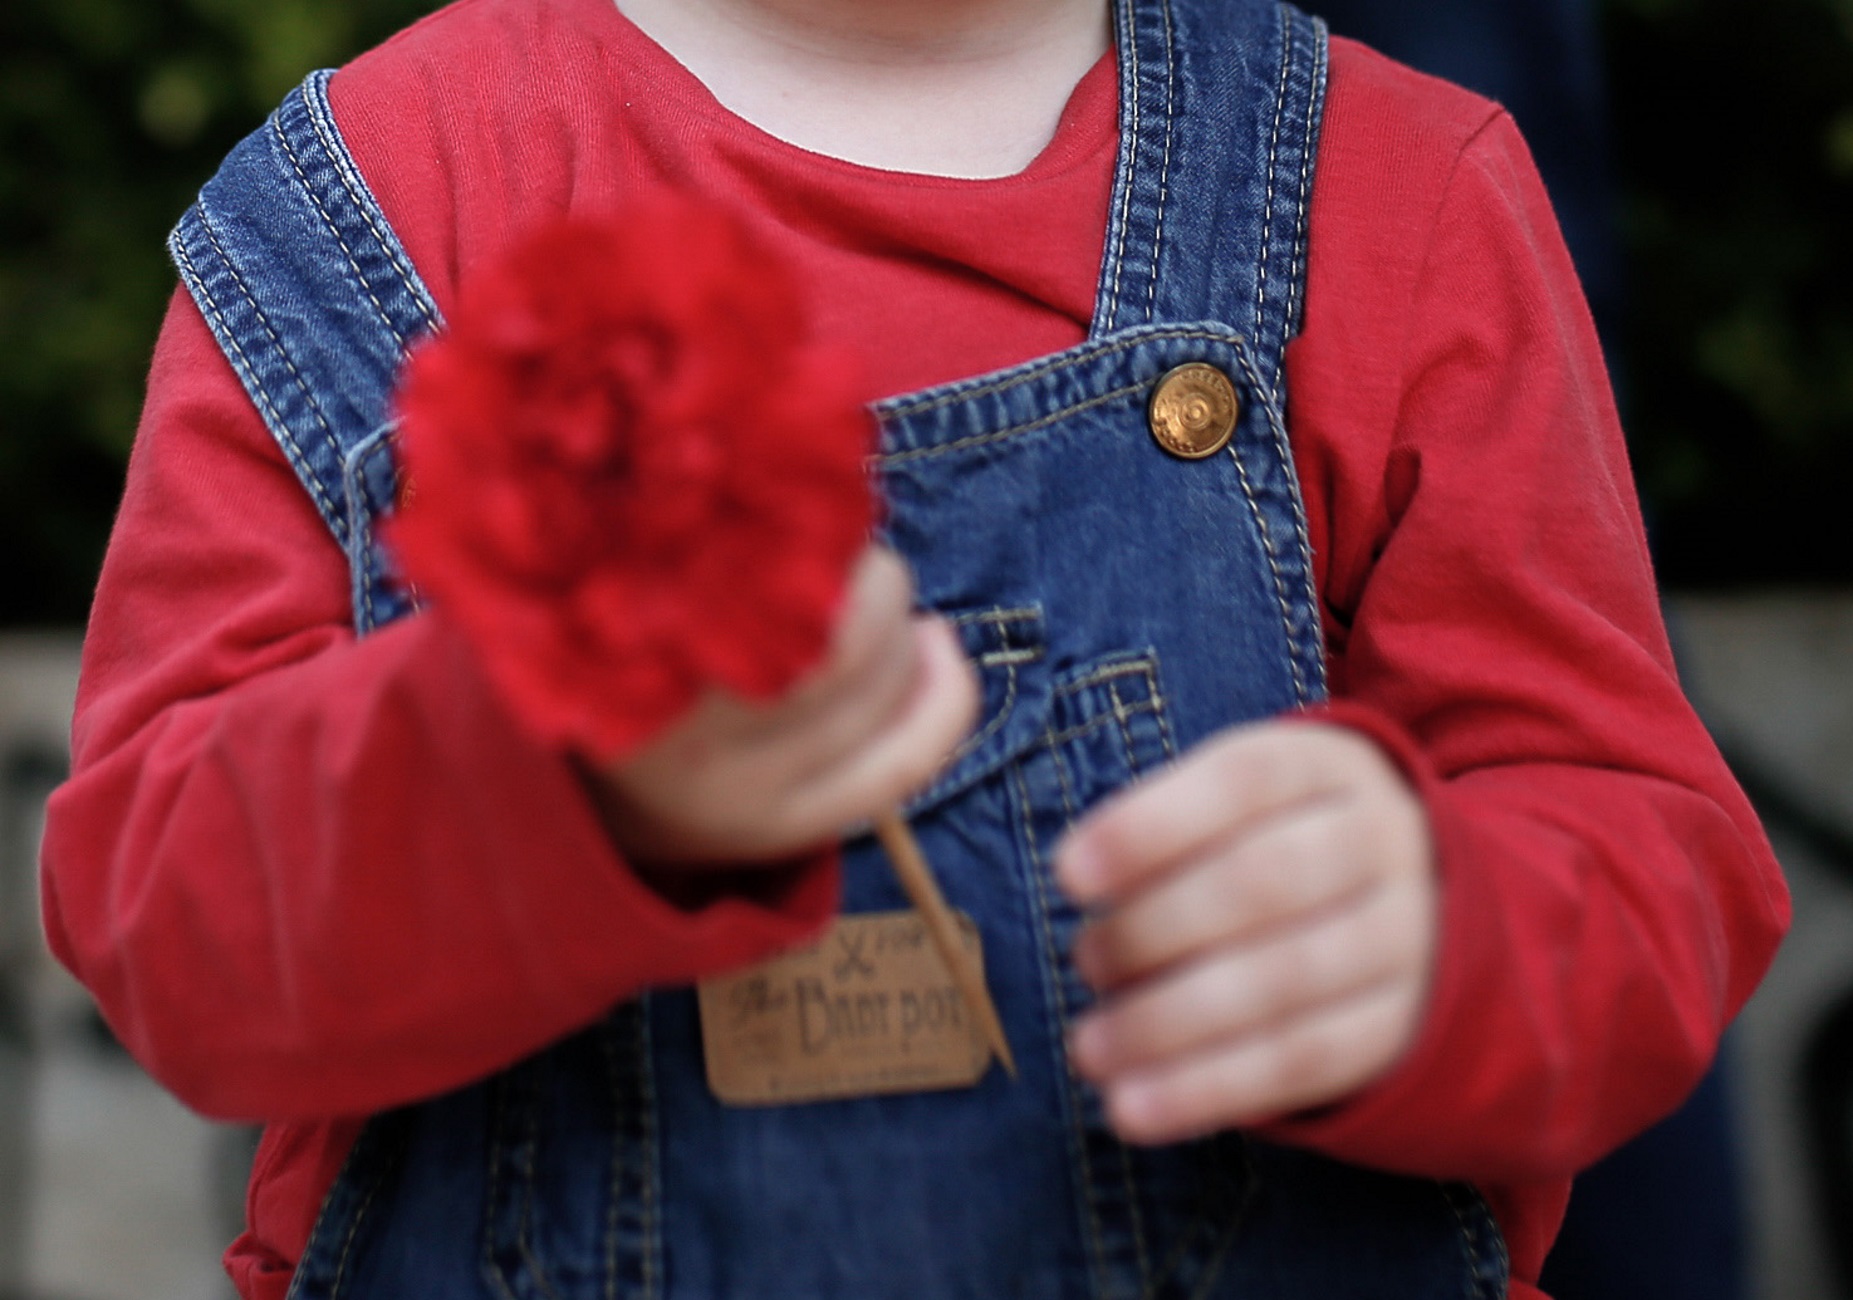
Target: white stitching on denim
(1059, 1004)
(1131, 667)
(347, 1245)
(1296, 285)
(321, 121)
(1124, 718)
(223, 330)
(1090, 351)
(1004, 708)
(1064, 781)
(1267, 212)
(646, 1101)
(1466, 1238)
(614, 1188)
(1029, 426)
(353, 262)
(1164, 167)
(298, 457)
(1017, 614)
(1451, 1196)
(1011, 658)
(1130, 32)
(1092, 725)
(1303, 544)
(348, 1164)
(1280, 584)
(524, 1232)
(1162, 713)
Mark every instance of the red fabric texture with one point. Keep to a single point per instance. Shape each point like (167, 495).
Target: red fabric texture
(633, 486)
(308, 878)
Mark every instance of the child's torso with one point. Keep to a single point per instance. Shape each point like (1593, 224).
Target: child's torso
(1122, 602)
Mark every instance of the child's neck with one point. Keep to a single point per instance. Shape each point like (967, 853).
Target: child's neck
(969, 88)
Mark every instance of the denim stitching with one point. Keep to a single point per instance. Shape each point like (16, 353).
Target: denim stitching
(1030, 426)
(491, 1198)
(1164, 166)
(1303, 544)
(1159, 709)
(1213, 1266)
(1057, 1004)
(615, 1188)
(348, 1167)
(347, 1246)
(1107, 673)
(1280, 585)
(646, 1110)
(1070, 811)
(1467, 1241)
(524, 1241)
(373, 590)
(1121, 716)
(1087, 728)
(289, 362)
(1141, 1256)
(1267, 211)
(1089, 351)
(353, 263)
(321, 120)
(1018, 614)
(971, 743)
(1008, 658)
(1130, 30)
(298, 460)
(365, 618)
(1064, 785)
(1295, 285)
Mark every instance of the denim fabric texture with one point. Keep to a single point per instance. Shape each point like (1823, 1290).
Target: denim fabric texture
(1121, 605)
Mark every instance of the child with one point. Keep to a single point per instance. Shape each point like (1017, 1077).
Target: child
(1325, 1005)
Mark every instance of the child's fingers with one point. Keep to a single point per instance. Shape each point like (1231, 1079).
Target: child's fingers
(1314, 856)
(1242, 775)
(1307, 1061)
(864, 702)
(1248, 989)
(872, 631)
(904, 755)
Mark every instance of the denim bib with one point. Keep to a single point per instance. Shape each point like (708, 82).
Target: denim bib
(1121, 604)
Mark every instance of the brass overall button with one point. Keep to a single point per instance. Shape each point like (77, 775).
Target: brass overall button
(1193, 411)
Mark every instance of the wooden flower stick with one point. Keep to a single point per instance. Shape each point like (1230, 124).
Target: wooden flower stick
(910, 866)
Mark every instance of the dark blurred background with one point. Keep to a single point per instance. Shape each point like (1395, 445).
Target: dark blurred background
(112, 112)
(1732, 135)
(1702, 157)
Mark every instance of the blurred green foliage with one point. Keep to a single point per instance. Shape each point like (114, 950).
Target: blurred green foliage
(1734, 124)
(1734, 138)
(112, 112)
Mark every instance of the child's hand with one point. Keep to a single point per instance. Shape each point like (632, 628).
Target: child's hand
(737, 782)
(1266, 929)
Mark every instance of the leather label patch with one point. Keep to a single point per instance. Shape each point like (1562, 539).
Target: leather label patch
(869, 1009)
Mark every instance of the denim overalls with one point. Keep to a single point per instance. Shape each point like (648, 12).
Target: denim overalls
(1121, 604)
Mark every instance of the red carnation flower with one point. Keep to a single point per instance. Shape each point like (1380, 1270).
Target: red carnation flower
(636, 477)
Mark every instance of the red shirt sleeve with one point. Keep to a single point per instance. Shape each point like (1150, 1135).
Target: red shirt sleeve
(1609, 900)
(306, 875)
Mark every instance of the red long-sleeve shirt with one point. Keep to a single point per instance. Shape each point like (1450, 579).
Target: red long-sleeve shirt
(308, 877)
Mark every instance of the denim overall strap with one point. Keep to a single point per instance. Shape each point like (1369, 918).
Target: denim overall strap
(1208, 222)
(314, 301)
(1179, 250)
